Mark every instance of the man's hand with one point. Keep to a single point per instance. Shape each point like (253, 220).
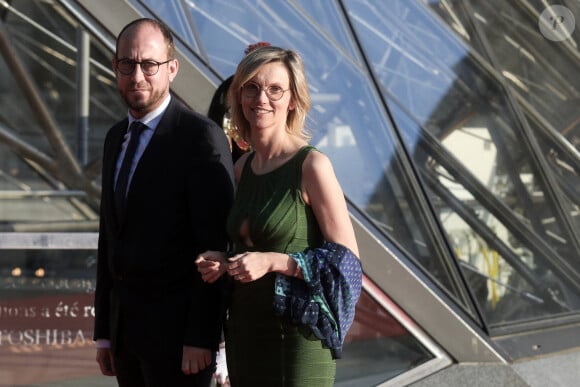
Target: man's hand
(195, 359)
(211, 265)
(105, 360)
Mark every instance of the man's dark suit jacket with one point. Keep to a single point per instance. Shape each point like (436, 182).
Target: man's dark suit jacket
(148, 287)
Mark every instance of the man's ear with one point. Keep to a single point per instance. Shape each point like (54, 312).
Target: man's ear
(173, 69)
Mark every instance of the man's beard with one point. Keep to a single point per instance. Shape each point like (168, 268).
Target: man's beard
(140, 104)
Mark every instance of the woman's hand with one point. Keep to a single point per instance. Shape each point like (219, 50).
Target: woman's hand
(211, 265)
(250, 266)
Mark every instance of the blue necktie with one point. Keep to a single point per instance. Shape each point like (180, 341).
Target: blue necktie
(135, 129)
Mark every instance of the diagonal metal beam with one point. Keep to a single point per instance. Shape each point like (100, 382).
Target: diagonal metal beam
(69, 170)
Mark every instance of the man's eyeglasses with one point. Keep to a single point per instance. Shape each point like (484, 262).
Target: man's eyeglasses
(252, 90)
(148, 67)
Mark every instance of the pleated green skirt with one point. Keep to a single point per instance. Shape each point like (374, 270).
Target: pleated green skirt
(264, 350)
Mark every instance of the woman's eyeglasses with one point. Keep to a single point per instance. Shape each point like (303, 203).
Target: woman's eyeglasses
(252, 90)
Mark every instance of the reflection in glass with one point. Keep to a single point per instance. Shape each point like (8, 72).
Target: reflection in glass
(46, 317)
(539, 71)
(172, 14)
(511, 229)
(44, 184)
(331, 22)
(377, 347)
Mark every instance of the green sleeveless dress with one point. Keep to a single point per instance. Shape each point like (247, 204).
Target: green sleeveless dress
(264, 350)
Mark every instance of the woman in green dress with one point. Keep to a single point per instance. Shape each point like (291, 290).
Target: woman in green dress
(288, 200)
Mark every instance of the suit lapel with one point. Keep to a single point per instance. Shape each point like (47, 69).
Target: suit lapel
(155, 149)
(143, 175)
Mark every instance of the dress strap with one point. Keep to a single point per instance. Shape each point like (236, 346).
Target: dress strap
(300, 157)
(246, 169)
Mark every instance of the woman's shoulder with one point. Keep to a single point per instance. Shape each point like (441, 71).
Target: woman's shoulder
(317, 170)
(316, 161)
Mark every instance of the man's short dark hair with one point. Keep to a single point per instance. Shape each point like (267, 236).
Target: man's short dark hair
(159, 25)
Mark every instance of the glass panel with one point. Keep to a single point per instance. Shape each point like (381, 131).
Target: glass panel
(494, 203)
(538, 70)
(43, 185)
(332, 23)
(375, 340)
(29, 204)
(564, 164)
(174, 16)
(46, 318)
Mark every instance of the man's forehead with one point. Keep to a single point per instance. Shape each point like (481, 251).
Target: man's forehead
(145, 40)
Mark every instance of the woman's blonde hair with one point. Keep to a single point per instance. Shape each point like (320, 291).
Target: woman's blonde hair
(249, 67)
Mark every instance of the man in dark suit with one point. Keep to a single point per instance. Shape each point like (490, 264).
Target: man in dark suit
(165, 198)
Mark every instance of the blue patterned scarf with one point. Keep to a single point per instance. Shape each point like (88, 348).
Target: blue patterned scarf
(325, 300)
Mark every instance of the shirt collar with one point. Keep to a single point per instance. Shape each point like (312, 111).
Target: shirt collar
(151, 119)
